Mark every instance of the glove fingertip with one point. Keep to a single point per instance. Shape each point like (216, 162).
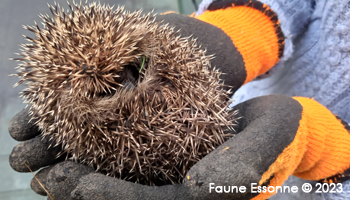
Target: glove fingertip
(21, 128)
(37, 188)
(64, 177)
(16, 161)
(35, 153)
(39, 181)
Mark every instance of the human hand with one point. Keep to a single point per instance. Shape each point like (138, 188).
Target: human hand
(270, 128)
(67, 180)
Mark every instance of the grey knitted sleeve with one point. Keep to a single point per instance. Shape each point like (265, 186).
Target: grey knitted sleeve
(294, 16)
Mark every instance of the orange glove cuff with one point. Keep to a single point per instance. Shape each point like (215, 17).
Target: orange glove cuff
(327, 149)
(255, 31)
(320, 148)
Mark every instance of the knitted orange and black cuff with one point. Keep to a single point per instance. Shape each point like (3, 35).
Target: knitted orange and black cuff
(254, 29)
(320, 149)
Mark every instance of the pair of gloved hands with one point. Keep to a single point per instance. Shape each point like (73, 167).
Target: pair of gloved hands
(277, 135)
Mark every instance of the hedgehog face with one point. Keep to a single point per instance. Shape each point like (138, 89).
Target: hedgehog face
(123, 94)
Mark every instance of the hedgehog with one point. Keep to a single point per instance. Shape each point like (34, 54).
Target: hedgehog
(123, 93)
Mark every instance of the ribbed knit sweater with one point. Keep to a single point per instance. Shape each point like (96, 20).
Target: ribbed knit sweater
(316, 61)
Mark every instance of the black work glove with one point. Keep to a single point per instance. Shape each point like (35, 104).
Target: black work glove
(277, 136)
(240, 161)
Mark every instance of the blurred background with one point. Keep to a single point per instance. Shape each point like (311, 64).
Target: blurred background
(14, 14)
